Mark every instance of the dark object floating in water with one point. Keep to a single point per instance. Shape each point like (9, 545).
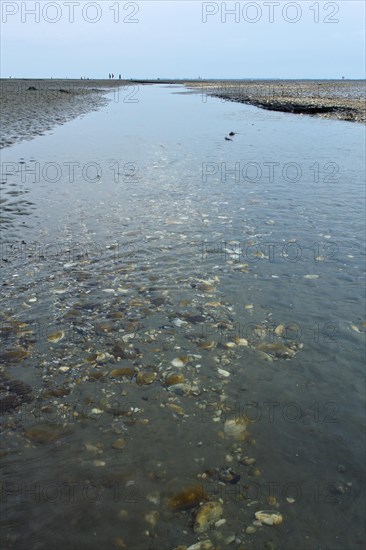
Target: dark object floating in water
(63, 91)
(228, 139)
(32, 89)
(232, 134)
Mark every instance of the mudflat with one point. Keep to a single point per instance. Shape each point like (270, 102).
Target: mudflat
(33, 107)
(337, 99)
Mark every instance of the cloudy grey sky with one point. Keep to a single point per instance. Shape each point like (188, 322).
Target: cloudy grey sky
(183, 39)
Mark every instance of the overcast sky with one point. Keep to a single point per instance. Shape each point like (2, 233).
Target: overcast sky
(183, 39)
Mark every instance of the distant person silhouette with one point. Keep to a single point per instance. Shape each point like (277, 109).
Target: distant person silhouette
(120, 76)
(110, 75)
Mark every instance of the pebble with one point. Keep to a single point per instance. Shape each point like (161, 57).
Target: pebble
(207, 515)
(62, 370)
(120, 443)
(280, 330)
(179, 322)
(56, 336)
(241, 341)
(228, 476)
(236, 429)
(152, 518)
(188, 498)
(203, 545)
(179, 362)
(269, 517)
(247, 461)
(175, 408)
(250, 530)
(220, 523)
(278, 350)
(99, 463)
(223, 373)
(145, 378)
(255, 472)
(207, 345)
(14, 355)
(173, 379)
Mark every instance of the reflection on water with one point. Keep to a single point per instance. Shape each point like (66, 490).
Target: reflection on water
(181, 323)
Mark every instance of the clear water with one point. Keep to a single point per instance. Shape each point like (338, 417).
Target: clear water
(274, 220)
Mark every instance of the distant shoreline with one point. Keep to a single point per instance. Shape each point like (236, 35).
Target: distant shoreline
(31, 107)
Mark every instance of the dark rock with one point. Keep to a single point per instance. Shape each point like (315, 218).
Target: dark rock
(227, 475)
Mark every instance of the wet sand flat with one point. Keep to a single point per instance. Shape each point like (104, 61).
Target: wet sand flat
(31, 108)
(336, 99)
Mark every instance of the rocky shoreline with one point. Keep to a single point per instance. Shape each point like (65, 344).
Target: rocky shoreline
(342, 99)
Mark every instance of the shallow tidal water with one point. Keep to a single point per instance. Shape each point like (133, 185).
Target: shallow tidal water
(181, 311)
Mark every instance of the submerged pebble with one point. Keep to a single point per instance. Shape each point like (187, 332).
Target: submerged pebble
(173, 379)
(269, 517)
(207, 515)
(180, 362)
(57, 336)
(188, 498)
(236, 428)
(145, 378)
(44, 433)
(119, 444)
